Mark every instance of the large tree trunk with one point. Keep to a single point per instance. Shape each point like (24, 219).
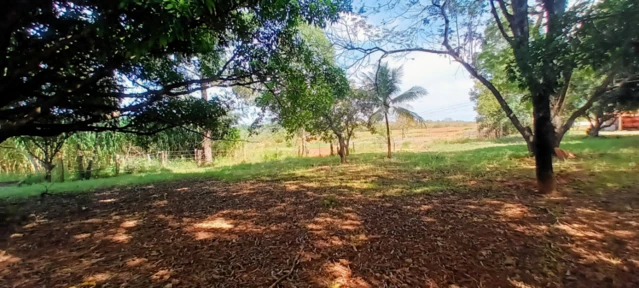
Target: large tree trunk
(206, 142)
(206, 146)
(543, 142)
(342, 149)
(87, 173)
(61, 165)
(348, 143)
(388, 140)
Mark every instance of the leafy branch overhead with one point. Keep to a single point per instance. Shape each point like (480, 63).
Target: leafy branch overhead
(104, 65)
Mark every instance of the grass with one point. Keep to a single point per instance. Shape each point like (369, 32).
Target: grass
(11, 177)
(602, 163)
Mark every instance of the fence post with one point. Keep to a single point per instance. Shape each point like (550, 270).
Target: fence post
(117, 164)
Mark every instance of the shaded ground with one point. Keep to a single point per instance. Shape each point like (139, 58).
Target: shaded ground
(213, 234)
(442, 219)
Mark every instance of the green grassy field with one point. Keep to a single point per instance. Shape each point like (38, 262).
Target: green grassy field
(446, 166)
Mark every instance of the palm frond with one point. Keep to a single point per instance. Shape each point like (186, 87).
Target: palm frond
(396, 75)
(403, 112)
(387, 82)
(377, 116)
(368, 78)
(413, 93)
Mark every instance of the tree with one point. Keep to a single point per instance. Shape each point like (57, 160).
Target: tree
(491, 119)
(45, 150)
(311, 94)
(565, 106)
(118, 65)
(206, 139)
(347, 114)
(310, 98)
(547, 41)
(383, 86)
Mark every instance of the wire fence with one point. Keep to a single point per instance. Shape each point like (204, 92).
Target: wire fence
(79, 166)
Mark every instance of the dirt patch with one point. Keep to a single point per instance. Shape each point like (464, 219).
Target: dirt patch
(256, 234)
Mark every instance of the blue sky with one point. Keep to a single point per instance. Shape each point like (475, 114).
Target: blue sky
(447, 82)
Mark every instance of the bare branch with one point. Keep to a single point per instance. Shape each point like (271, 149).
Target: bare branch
(498, 21)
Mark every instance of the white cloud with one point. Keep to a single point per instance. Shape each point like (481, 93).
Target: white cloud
(446, 81)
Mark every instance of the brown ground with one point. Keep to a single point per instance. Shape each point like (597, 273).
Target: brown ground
(212, 234)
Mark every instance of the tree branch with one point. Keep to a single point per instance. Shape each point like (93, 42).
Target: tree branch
(567, 75)
(601, 89)
(498, 21)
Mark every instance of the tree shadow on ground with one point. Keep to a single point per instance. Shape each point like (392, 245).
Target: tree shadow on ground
(420, 220)
(208, 233)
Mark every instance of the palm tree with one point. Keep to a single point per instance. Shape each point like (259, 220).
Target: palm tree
(383, 85)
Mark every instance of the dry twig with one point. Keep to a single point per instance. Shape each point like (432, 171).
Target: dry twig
(295, 262)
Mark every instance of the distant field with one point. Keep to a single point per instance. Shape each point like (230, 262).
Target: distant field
(413, 139)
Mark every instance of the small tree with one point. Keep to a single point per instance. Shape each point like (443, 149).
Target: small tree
(383, 85)
(45, 150)
(310, 93)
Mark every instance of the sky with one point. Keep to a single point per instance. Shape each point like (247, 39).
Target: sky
(447, 82)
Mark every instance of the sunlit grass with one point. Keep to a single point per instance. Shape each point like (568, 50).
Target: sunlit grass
(601, 165)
